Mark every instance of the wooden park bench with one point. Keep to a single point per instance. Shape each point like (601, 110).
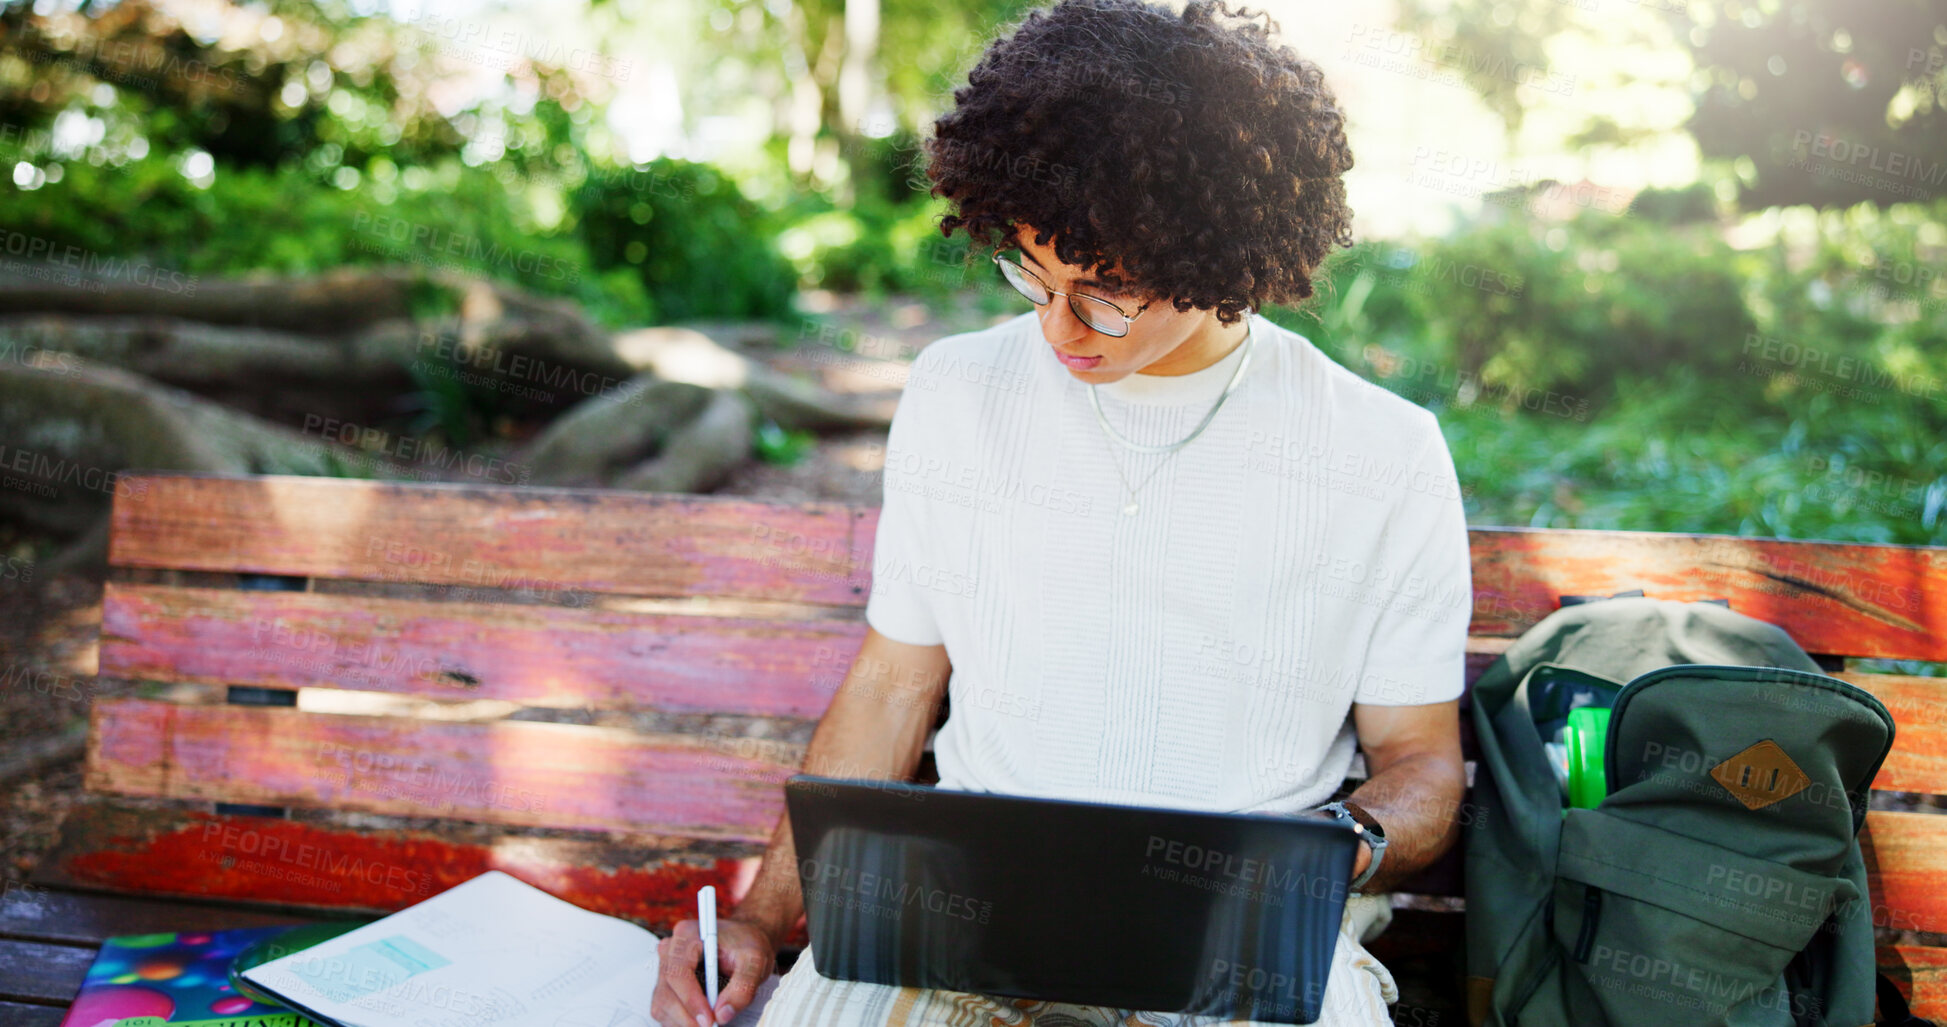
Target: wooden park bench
(321, 698)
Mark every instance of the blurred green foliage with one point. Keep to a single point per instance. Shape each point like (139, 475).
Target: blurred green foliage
(285, 221)
(1682, 205)
(1627, 375)
(879, 249)
(777, 445)
(698, 247)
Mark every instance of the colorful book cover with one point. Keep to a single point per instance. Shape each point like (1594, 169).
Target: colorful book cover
(152, 980)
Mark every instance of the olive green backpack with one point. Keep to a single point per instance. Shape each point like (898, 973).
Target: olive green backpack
(1719, 881)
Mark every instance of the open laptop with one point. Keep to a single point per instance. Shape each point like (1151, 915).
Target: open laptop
(1232, 915)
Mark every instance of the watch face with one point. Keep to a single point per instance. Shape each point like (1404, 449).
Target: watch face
(1365, 820)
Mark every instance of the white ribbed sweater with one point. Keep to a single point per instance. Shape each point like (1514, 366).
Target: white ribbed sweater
(1307, 551)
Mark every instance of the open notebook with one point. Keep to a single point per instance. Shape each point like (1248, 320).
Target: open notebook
(491, 951)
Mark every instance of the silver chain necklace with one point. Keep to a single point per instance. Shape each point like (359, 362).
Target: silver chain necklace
(1129, 508)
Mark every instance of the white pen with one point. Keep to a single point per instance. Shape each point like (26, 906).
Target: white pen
(706, 916)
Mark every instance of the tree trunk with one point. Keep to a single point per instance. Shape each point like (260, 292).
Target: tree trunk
(687, 355)
(607, 434)
(346, 303)
(71, 426)
(341, 346)
(336, 301)
(700, 454)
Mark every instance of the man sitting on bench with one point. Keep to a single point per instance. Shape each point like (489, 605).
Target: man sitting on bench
(1157, 549)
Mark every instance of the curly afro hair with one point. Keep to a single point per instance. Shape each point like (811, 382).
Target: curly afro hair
(1202, 158)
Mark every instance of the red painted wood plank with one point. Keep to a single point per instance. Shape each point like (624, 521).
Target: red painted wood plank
(555, 539)
(1837, 598)
(1906, 859)
(507, 772)
(110, 845)
(613, 780)
(548, 656)
(551, 656)
(1918, 762)
(113, 845)
(538, 655)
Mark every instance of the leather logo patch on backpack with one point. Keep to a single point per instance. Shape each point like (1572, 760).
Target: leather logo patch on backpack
(1761, 775)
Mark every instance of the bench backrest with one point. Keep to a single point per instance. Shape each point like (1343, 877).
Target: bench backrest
(387, 688)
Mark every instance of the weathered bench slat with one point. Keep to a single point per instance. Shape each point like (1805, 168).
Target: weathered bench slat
(1841, 599)
(506, 772)
(1906, 859)
(536, 655)
(596, 540)
(544, 656)
(17, 1014)
(182, 852)
(32, 971)
(1837, 598)
(42, 914)
(550, 656)
(1918, 762)
(146, 847)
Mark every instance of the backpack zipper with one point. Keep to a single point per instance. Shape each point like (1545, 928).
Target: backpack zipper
(1591, 909)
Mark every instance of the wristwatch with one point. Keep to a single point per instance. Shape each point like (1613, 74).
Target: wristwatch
(1367, 828)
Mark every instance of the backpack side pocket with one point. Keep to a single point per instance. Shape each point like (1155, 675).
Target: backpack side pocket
(1665, 928)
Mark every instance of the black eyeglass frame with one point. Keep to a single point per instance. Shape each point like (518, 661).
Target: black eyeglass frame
(1073, 298)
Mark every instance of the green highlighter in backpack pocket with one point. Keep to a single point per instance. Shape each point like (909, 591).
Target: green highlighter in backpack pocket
(1588, 781)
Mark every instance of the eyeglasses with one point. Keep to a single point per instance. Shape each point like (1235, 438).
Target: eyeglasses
(1093, 311)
